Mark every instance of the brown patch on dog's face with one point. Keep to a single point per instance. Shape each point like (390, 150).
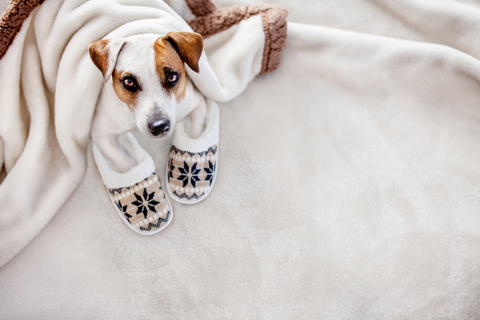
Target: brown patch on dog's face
(170, 68)
(126, 87)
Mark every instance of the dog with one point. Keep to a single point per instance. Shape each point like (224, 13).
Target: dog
(149, 91)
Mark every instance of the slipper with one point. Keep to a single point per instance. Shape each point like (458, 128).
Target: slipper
(192, 164)
(137, 194)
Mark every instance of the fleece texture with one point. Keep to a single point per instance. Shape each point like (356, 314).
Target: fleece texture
(142, 170)
(212, 21)
(208, 138)
(348, 188)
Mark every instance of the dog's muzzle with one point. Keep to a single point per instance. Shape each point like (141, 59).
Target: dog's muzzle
(159, 127)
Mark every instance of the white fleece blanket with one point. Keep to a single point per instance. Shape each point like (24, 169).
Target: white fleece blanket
(50, 88)
(348, 188)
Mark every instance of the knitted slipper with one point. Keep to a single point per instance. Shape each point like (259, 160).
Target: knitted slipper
(137, 194)
(211, 21)
(192, 164)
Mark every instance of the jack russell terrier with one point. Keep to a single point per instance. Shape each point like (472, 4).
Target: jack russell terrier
(149, 92)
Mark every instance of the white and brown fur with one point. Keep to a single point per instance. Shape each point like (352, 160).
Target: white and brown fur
(149, 92)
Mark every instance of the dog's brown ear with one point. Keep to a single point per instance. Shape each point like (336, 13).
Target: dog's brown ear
(189, 46)
(104, 54)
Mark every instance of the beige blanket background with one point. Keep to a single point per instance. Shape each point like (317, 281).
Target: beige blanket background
(348, 188)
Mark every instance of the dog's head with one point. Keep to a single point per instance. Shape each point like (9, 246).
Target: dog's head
(148, 74)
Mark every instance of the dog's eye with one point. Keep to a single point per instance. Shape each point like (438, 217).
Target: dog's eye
(129, 83)
(172, 79)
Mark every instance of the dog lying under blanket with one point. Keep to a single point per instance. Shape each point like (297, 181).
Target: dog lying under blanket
(150, 91)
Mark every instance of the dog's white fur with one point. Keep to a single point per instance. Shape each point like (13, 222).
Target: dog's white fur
(113, 117)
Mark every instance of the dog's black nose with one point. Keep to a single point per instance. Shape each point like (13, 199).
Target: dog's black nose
(159, 127)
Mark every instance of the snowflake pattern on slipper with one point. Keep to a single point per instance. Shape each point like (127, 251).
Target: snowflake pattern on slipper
(191, 175)
(144, 204)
